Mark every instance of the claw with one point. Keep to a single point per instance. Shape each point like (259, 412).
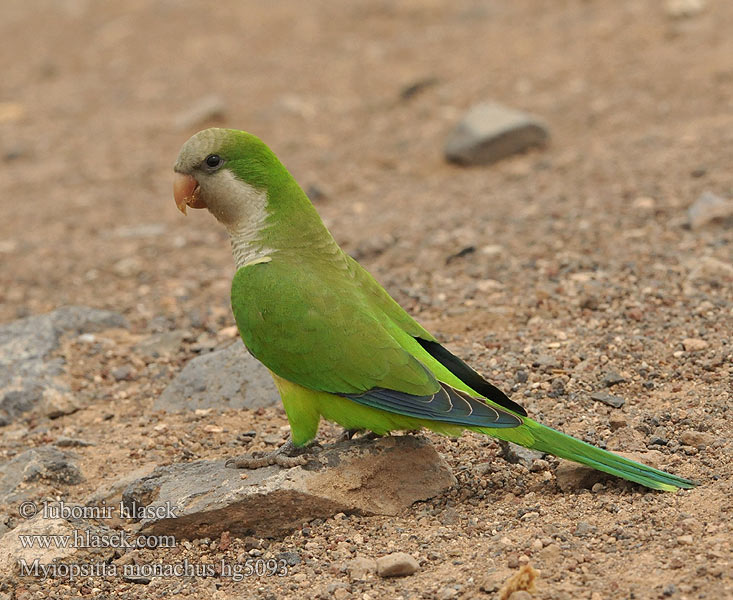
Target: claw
(286, 456)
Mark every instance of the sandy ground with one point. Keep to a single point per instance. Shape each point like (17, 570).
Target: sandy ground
(581, 264)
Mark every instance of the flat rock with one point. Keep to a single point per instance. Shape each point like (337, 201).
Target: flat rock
(367, 477)
(27, 371)
(45, 463)
(610, 399)
(489, 132)
(708, 208)
(224, 379)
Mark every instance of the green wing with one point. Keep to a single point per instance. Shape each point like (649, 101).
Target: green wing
(317, 324)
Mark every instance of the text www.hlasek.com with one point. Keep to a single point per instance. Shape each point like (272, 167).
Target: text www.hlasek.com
(90, 539)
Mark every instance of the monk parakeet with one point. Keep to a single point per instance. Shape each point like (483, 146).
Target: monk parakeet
(336, 343)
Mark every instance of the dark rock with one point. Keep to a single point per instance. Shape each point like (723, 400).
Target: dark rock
(225, 379)
(489, 132)
(516, 454)
(612, 378)
(45, 463)
(368, 477)
(610, 399)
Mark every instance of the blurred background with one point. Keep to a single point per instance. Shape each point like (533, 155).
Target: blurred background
(357, 99)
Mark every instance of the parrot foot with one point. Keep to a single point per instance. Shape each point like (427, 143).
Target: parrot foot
(288, 455)
(348, 434)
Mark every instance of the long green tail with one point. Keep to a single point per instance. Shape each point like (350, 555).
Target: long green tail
(561, 445)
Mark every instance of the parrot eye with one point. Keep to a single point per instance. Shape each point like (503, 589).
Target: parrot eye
(213, 161)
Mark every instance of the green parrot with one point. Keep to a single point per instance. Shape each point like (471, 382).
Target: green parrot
(338, 346)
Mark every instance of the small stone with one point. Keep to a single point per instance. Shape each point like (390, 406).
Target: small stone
(446, 593)
(516, 454)
(610, 399)
(612, 378)
(697, 439)
(489, 132)
(521, 376)
(122, 373)
(583, 529)
(360, 568)
(397, 564)
(617, 422)
(707, 208)
(685, 540)
(546, 361)
(694, 344)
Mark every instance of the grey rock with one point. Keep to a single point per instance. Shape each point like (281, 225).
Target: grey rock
(516, 454)
(397, 564)
(612, 378)
(610, 399)
(366, 477)
(26, 370)
(707, 208)
(546, 361)
(489, 132)
(360, 568)
(224, 379)
(45, 463)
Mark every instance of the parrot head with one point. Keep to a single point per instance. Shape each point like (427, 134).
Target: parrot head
(226, 171)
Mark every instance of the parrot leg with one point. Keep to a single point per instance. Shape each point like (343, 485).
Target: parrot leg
(288, 455)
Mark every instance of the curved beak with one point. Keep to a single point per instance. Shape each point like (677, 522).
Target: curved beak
(186, 192)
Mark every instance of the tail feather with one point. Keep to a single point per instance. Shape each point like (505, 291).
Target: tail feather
(561, 445)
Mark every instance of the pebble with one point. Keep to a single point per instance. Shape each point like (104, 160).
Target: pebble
(397, 564)
(610, 399)
(612, 378)
(489, 132)
(694, 344)
(360, 567)
(617, 422)
(697, 439)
